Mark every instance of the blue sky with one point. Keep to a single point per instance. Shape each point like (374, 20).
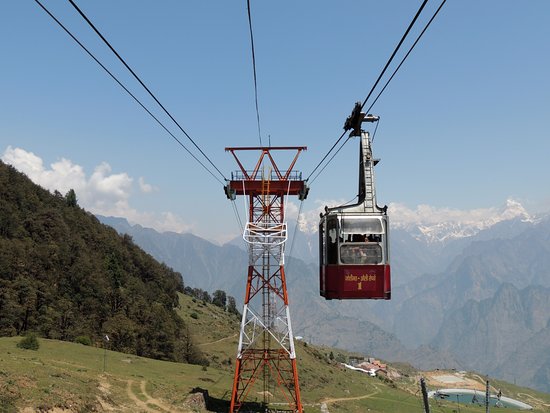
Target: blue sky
(463, 124)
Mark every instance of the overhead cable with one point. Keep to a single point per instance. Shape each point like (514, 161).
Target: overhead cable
(331, 158)
(326, 155)
(126, 89)
(237, 216)
(395, 51)
(371, 91)
(254, 69)
(405, 58)
(375, 129)
(295, 232)
(383, 89)
(143, 84)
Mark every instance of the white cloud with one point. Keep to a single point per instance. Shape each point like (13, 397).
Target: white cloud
(103, 193)
(145, 187)
(309, 218)
(62, 176)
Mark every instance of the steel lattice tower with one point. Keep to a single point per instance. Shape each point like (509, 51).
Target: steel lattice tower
(266, 351)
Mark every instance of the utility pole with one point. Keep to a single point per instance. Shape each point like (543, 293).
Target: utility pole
(424, 395)
(105, 341)
(487, 396)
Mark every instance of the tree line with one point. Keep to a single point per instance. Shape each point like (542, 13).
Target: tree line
(65, 275)
(218, 298)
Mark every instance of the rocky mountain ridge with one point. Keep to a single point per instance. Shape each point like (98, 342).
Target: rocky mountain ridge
(432, 282)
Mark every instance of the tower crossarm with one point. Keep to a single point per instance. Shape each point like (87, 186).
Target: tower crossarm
(282, 181)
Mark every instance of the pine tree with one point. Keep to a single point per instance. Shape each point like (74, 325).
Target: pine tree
(219, 298)
(70, 198)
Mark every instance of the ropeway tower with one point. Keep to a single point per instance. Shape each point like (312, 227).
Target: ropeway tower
(266, 369)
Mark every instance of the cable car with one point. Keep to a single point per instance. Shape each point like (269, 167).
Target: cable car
(354, 255)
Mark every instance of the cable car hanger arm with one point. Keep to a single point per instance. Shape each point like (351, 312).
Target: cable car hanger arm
(366, 197)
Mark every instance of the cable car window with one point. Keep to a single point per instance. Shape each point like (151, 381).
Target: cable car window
(332, 241)
(363, 225)
(351, 253)
(322, 244)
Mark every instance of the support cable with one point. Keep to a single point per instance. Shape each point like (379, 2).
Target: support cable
(237, 216)
(375, 84)
(375, 129)
(143, 84)
(294, 235)
(326, 155)
(394, 52)
(126, 90)
(254, 69)
(406, 56)
(330, 160)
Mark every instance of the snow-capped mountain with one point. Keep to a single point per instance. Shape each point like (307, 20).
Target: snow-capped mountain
(441, 225)
(431, 226)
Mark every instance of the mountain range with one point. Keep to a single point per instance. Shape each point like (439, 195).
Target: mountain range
(470, 294)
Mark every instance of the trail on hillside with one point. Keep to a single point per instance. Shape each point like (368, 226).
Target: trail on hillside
(149, 400)
(541, 402)
(142, 405)
(343, 399)
(483, 381)
(105, 399)
(218, 341)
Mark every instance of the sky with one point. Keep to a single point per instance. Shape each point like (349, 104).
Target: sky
(463, 125)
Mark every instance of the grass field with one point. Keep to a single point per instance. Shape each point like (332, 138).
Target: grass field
(70, 377)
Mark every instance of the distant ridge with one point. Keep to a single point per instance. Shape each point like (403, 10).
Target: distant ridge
(433, 282)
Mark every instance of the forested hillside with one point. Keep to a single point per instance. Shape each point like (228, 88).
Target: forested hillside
(66, 276)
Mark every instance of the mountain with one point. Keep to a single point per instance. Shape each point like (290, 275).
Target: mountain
(66, 276)
(204, 265)
(443, 271)
(477, 273)
(210, 267)
(505, 335)
(442, 227)
(529, 363)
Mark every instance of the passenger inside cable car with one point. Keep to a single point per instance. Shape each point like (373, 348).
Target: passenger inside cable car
(354, 256)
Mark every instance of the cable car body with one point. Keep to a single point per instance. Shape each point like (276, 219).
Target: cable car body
(354, 254)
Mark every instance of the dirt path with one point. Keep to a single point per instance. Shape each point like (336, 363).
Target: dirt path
(539, 401)
(150, 404)
(326, 402)
(152, 400)
(218, 341)
(483, 382)
(142, 405)
(105, 399)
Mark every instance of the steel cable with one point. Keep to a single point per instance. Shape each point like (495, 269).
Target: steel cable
(126, 89)
(254, 69)
(395, 51)
(406, 56)
(143, 84)
(373, 87)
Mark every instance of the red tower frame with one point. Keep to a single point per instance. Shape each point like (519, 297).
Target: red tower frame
(266, 350)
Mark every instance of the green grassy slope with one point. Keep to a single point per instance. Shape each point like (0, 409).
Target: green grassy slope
(69, 377)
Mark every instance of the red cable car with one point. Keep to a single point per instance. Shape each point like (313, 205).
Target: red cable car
(354, 256)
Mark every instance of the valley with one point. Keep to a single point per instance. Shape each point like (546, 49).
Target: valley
(64, 377)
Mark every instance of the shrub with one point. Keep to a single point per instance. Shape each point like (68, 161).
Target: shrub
(29, 342)
(194, 315)
(85, 340)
